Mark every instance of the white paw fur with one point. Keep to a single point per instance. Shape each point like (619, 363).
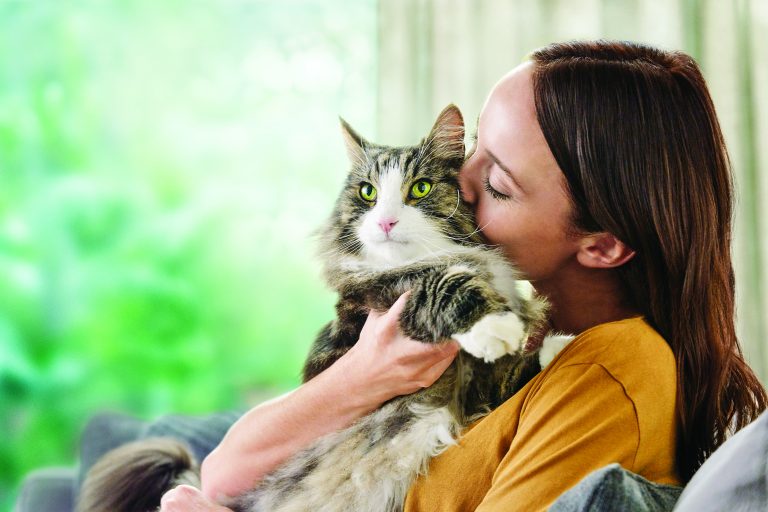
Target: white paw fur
(493, 336)
(551, 346)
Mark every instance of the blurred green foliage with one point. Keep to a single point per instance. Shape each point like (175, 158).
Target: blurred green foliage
(163, 165)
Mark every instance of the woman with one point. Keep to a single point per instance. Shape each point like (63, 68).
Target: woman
(601, 171)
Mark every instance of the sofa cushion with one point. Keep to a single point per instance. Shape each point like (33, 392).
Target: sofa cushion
(47, 490)
(110, 430)
(735, 477)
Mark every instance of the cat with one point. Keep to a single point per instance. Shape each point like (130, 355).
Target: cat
(399, 224)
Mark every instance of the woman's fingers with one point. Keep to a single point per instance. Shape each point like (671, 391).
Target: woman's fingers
(448, 349)
(385, 363)
(186, 498)
(383, 326)
(397, 307)
(446, 356)
(389, 322)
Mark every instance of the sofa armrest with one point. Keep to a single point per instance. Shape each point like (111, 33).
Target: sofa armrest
(47, 490)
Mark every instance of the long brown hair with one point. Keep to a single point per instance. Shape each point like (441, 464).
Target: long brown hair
(634, 130)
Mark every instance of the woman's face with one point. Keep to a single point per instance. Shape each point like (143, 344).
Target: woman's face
(514, 184)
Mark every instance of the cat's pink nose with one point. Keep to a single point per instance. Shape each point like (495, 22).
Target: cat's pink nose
(387, 224)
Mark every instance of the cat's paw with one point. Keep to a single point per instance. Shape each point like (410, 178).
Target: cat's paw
(552, 345)
(493, 336)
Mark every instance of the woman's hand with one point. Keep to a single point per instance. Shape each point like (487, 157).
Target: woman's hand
(186, 498)
(385, 363)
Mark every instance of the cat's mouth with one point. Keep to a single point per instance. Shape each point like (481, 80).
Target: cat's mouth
(392, 241)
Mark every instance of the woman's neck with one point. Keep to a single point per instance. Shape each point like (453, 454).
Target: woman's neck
(583, 298)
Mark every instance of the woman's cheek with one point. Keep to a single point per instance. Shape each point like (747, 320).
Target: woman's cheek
(501, 231)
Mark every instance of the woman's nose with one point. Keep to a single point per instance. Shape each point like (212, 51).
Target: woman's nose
(466, 181)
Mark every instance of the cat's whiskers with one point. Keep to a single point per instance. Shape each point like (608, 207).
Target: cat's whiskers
(429, 248)
(349, 242)
(433, 249)
(470, 244)
(342, 244)
(347, 236)
(351, 245)
(462, 237)
(460, 215)
(458, 202)
(466, 237)
(470, 235)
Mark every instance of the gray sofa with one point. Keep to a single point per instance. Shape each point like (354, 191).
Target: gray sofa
(734, 479)
(55, 489)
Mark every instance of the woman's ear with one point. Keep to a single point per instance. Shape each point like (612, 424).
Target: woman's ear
(603, 250)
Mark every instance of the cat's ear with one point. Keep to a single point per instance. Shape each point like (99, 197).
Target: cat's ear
(446, 140)
(355, 143)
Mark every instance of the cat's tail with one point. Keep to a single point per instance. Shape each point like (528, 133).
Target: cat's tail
(133, 477)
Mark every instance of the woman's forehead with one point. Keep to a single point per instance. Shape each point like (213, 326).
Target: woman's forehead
(509, 129)
(509, 110)
(508, 123)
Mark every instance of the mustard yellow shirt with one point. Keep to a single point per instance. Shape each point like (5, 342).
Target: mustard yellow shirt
(609, 396)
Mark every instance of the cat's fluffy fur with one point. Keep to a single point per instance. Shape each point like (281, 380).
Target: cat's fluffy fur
(459, 289)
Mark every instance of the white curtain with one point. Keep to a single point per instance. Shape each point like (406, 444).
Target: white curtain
(435, 52)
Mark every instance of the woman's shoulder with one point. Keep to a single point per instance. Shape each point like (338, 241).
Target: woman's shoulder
(633, 354)
(629, 344)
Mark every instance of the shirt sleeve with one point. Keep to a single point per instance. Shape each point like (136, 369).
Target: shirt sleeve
(579, 420)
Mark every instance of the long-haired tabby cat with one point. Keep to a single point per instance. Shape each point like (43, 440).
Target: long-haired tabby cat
(399, 224)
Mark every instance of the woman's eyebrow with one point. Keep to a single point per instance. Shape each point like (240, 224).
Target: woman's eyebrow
(505, 169)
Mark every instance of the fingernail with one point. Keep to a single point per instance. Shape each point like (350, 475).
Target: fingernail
(451, 347)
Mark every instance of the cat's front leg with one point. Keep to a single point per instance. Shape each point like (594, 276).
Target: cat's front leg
(460, 302)
(493, 336)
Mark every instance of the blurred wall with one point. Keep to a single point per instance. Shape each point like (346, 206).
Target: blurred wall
(433, 52)
(163, 165)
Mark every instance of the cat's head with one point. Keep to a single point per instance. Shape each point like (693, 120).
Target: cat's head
(402, 204)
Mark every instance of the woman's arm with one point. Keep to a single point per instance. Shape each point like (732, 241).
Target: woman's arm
(381, 365)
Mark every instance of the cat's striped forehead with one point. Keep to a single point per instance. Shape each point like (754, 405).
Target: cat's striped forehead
(412, 163)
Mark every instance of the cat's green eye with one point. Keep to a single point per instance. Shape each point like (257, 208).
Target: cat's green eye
(420, 189)
(368, 192)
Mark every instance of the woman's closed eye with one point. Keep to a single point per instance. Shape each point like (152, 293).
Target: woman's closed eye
(495, 193)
